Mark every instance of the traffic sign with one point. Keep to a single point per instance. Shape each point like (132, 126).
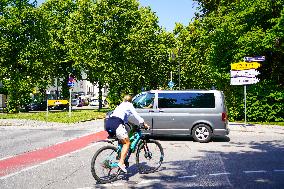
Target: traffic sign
(71, 84)
(71, 81)
(171, 84)
(244, 80)
(254, 59)
(244, 73)
(245, 65)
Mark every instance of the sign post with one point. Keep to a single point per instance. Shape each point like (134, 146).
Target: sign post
(171, 83)
(71, 84)
(244, 73)
(70, 91)
(47, 93)
(245, 98)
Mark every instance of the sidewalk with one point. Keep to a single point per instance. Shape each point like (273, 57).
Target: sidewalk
(91, 126)
(252, 127)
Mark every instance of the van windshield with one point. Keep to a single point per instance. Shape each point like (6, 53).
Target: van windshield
(143, 100)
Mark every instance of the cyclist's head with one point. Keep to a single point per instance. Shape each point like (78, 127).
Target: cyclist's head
(127, 98)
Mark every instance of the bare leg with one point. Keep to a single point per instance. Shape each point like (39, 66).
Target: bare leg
(124, 151)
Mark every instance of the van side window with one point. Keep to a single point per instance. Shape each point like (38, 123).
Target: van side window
(186, 100)
(144, 100)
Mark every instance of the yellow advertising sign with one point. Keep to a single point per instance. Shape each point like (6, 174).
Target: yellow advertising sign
(245, 65)
(56, 102)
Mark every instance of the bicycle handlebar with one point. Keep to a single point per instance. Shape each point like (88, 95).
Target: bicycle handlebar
(140, 126)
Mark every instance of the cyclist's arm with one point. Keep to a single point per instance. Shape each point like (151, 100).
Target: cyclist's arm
(135, 114)
(139, 118)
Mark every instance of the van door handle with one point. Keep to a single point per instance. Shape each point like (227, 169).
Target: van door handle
(151, 110)
(161, 110)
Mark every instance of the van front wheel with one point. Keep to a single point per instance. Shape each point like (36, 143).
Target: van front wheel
(202, 133)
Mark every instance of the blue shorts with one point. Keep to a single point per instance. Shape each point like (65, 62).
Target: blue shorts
(112, 123)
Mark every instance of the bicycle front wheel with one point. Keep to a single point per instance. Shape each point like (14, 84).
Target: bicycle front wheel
(149, 156)
(104, 165)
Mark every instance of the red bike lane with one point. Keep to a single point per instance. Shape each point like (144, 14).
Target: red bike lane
(21, 161)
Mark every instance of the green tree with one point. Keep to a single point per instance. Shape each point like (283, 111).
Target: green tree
(22, 68)
(232, 30)
(56, 14)
(119, 44)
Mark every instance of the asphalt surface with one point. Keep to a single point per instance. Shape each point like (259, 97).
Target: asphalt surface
(250, 157)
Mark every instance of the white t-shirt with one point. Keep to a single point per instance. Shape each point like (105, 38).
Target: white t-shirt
(124, 110)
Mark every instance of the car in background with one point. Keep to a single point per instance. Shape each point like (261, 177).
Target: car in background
(41, 106)
(36, 106)
(75, 102)
(94, 102)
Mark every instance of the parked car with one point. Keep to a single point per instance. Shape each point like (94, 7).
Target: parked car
(197, 113)
(36, 106)
(75, 102)
(94, 102)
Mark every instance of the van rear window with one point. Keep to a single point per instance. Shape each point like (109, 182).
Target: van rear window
(186, 100)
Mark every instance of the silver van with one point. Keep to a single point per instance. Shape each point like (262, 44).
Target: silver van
(198, 113)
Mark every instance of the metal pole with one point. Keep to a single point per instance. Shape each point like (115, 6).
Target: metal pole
(70, 90)
(178, 75)
(46, 93)
(46, 105)
(178, 70)
(245, 93)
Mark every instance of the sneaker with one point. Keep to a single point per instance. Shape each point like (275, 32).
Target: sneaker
(122, 167)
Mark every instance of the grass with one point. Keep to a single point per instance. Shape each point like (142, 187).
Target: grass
(78, 116)
(59, 116)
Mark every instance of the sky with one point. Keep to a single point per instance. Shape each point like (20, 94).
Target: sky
(168, 11)
(171, 11)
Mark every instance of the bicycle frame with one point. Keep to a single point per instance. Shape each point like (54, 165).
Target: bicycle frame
(138, 144)
(135, 135)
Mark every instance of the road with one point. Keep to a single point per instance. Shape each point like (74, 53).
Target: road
(250, 157)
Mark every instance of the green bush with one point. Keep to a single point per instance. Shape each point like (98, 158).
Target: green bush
(265, 103)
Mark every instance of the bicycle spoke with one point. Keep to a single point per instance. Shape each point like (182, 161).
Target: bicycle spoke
(149, 157)
(102, 162)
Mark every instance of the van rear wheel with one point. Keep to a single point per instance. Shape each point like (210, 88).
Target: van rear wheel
(202, 133)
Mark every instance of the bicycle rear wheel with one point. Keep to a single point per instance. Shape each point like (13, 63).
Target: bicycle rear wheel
(104, 165)
(149, 156)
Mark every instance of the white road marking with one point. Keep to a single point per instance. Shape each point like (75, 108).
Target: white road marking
(45, 162)
(278, 170)
(7, 157)
(189, 176)
(259, 171)
(18, 172)
(217, 174)
(149, 181)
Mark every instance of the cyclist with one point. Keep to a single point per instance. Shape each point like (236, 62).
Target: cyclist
(115, 125)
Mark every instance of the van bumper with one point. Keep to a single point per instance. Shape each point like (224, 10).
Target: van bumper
(221, 132)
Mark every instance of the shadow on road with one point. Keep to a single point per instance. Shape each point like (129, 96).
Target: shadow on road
(189, 138)
(258, 165)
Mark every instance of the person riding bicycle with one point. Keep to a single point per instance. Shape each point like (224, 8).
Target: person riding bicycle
(116, 125)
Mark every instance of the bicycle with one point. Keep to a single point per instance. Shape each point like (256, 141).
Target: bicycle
(105, 160)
